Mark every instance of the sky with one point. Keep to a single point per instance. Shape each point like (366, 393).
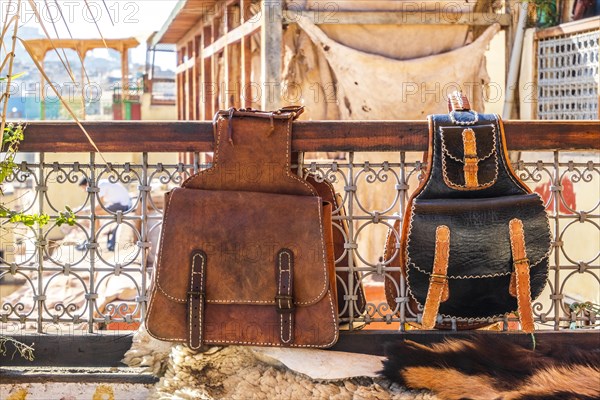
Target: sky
(137, 18)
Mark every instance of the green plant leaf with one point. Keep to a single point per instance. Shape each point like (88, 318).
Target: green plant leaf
(15, 76)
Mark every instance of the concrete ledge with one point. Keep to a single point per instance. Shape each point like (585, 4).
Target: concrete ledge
(20, 383)
(74, 391)
(16, 375)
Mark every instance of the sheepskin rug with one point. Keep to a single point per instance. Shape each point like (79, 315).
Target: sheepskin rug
(237, 372)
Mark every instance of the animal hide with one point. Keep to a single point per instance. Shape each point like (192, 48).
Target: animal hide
(373, 85)
(490, 367)
(397, 41)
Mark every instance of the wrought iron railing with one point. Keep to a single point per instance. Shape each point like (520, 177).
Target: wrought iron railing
(75, 284)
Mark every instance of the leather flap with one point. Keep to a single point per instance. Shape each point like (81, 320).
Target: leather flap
(479, 234)
(241, 234)
(453, 142)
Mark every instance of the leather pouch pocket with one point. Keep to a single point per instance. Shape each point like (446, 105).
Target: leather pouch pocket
(480, 260)
(241, 237)
(469, 160)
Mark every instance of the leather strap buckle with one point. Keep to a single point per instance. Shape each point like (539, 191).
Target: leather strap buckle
(520, 280)
(284, 304)
(438, 282)
(197, 299)
(439, 279)
(521, 260)
(284, 297)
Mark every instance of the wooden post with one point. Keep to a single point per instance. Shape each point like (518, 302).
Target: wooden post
(42, 91)
(271, 41)
(234, 59)
(189, 73)
(181, 85)
(246, 56)
(207, 77)
(82, 53)
(214, 99)
(124, 77)
(226, 98)
(196, 75)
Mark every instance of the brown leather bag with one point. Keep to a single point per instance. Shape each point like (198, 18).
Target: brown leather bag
(246, 251)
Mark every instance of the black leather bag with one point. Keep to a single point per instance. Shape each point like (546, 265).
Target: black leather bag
(475, 240)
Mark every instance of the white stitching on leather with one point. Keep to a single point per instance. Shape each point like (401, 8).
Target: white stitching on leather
(190, 302)
(287, 169)
(160, 251)
(266, 302)
(464, 123)
(532, 264)
(407, 256)
(521, 232)
(335, 321)
(407, 270)
(445, 148)
(441, 292)
(388, 287)
(325, 269)
(288, 133)
(457, 186)
(333, 340)
(408, 236)
(215, 159)
(162, 236)
(289, 288)
(507, 168)
(461, 319)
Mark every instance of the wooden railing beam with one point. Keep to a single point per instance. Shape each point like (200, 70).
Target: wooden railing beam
(175, 136)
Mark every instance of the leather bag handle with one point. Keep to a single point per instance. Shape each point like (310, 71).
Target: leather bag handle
(252, 153)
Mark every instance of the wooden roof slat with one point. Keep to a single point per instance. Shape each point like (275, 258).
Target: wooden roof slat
(42, 46)
(185, 15)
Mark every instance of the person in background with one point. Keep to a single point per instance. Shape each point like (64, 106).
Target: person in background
(114, 197)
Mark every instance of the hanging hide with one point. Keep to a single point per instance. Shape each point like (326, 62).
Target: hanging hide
(370, 86)
(406, 39)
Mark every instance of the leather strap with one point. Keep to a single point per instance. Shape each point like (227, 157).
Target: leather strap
(471, 168)
(284, 299)
(457, 101)
(196, 299)
(438, 283)
(521, 274)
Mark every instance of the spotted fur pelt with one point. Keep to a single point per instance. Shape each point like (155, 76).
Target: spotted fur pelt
(488, 367)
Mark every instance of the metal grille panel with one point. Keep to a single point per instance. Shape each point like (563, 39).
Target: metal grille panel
(567, 72)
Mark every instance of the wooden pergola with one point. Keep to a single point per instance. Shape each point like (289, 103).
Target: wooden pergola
(205, 31)
(40, 47)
